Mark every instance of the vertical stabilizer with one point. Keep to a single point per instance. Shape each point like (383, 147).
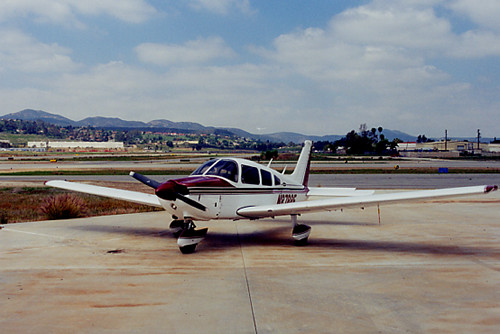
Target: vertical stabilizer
(301, 172)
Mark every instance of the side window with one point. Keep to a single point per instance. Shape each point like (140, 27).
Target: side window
(277, 181)
(267, 179)
(249, 175)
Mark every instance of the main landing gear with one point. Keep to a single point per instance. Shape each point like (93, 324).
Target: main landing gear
(187, 236)
(300, 232)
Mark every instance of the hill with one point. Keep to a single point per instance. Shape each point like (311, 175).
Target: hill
(163, 123)
(36, 115)
(110, 122)
(114, 122)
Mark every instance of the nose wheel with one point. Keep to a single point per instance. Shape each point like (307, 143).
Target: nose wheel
(176, 226)
(189, 237)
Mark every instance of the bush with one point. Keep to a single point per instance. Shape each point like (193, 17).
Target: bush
(4, 218)
(63, 206)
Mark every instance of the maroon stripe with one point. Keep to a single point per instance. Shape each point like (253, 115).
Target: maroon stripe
(203, 181)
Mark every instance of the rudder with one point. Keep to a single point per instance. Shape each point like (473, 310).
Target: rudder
(301, 172)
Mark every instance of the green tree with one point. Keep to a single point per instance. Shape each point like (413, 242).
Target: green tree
(269, 154)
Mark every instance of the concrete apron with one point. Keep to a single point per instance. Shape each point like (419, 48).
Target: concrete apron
(430, 267)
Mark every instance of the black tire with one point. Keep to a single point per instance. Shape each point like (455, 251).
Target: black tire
(188, 249)
(301, 242)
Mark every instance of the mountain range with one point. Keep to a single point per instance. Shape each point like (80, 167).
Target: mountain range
(163, 124)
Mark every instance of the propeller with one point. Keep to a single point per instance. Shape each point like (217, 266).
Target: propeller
(169, 190)
(146, 180)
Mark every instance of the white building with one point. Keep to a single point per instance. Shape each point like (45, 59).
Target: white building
(451, 147)
(109, 145)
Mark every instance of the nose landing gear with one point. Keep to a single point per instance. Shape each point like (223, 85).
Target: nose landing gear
(188, 237)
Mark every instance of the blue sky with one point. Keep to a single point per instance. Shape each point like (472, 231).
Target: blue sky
(316, 67)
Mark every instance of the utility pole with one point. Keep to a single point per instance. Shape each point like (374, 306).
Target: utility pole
(446, 140)
(478, 136)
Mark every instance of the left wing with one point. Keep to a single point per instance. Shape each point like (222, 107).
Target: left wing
(296, 208)
(125, 195)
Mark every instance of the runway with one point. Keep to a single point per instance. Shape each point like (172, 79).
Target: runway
(176, 164)
(428, 267)
(361, 181)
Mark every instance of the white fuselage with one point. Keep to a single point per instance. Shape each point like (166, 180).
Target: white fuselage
(225, 206)
(267, 186)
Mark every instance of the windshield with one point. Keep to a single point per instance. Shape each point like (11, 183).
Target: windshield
(225, 168)
(203, 168)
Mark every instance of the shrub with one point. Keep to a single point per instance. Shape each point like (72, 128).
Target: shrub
(4, 219)
(63, 206)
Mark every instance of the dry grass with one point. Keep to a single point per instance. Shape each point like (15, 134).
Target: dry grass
(23, 204)
(63, 206)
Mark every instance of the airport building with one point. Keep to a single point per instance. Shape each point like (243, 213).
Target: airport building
(76, 145)
(450, 148)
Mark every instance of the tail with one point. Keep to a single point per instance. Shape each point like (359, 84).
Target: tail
(301, 172)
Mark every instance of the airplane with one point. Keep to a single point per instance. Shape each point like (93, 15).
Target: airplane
(235, 188)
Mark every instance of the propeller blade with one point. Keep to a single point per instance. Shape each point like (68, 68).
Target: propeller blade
(191, 202)
(146, 180)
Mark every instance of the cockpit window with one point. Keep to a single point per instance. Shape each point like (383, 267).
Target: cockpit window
(249, 175)
(203, 168)
(277, 181)
(225, 168)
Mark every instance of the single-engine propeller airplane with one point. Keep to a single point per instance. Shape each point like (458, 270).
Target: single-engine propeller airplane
(233, 188)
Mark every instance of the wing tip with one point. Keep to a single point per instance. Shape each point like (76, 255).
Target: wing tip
(488, 189)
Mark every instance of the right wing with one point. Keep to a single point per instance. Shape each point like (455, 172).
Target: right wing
(125, 195)
(338, 192)
(297, 208)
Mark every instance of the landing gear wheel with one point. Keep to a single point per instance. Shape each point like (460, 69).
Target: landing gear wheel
(301, 242)
(177, 226)
(188, 249)
(190, 238)
(300, 234)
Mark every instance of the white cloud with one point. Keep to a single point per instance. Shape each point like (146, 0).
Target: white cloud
(133, 11)
(484, 13)
(408, 28)
(246, 96)
(67, 11)
(192, 52)
(477, 44)
(375, 64)
(20, 52)
(222, 6)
